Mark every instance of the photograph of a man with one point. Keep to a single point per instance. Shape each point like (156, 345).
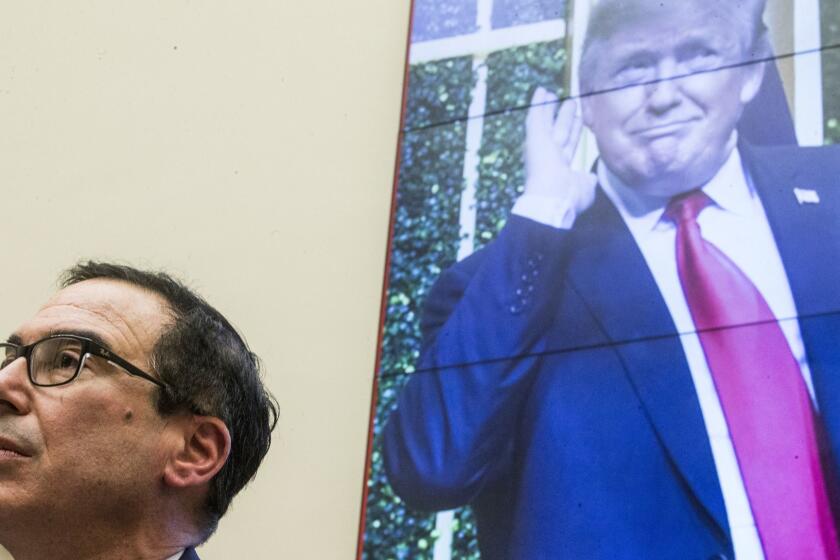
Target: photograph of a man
(131, 414)
(643, 363)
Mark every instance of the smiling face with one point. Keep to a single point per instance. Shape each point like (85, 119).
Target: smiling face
(666, 124)
(91, 451)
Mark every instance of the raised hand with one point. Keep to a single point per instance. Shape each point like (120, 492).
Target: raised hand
(550, 145)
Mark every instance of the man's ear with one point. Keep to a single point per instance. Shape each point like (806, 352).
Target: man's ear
(203, 447)
(752, 81)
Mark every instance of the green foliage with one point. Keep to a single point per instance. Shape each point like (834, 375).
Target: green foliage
(438, 92)
(464, 537)
(436, 19)
(425, 241)
(507, 13)
(512, 77)
(830, 16)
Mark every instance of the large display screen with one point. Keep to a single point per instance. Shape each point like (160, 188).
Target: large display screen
(611, 313)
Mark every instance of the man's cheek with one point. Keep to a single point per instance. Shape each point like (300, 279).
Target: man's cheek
(99, 417)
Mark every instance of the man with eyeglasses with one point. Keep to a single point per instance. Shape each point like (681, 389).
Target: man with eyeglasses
(131, 413)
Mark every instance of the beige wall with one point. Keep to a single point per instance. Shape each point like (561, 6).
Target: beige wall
(249, 147)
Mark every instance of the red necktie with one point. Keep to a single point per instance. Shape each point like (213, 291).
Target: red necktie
(764, 398)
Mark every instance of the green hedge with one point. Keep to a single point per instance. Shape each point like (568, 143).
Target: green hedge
(425, 241)
(436, 19)
(508, 13)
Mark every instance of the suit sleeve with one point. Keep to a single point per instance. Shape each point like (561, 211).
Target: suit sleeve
(484, 321)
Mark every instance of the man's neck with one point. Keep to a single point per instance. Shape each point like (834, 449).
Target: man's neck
(118, 552)
(638, 205)
(90, 544)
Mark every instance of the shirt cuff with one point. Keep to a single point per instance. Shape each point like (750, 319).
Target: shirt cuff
(547, 210)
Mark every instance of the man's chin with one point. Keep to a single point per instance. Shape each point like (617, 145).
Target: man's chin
(669, 178)
(668, 189)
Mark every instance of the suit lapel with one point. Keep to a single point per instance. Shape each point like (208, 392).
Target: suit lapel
(610, 274)
(809, 245)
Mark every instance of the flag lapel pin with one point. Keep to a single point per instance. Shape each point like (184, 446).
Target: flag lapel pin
(806, 196)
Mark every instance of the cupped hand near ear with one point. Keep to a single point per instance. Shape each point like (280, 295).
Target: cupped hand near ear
(550, 145)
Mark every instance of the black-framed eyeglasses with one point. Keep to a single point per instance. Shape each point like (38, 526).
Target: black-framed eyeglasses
(58, 359)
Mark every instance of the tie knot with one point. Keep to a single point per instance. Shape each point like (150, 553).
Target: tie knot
(687, 206)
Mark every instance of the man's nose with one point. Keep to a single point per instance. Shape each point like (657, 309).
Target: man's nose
(14, 388)
(664, 94)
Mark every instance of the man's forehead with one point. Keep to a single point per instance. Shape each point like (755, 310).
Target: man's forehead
(619, 13)
(665, 38)
(123, 315)
(621, 21)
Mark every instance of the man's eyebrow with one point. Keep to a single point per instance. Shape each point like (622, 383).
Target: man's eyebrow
(622, 54)
(92, 335)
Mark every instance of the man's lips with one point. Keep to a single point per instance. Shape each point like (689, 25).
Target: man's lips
(10, 449)
(9, 454)
(663, 129)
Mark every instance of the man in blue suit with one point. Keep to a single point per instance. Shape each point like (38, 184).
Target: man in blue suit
(643, 364)
(131, 413)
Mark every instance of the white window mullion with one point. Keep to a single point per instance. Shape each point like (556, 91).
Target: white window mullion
(444, 521)
(808, 90)
(485, 42)
(475, 129)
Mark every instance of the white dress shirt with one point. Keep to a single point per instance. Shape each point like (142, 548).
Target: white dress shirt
(737, 225)
(177, 556)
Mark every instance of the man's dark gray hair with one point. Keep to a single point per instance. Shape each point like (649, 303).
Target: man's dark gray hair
(209, 370)
(609, 17)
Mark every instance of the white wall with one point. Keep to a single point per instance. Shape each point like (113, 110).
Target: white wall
(249, 147)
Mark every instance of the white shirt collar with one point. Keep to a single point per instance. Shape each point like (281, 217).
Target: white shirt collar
(729, 189)
(177, 555)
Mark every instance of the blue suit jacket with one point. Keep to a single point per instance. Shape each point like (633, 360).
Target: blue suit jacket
(554, 396)
(189, 554)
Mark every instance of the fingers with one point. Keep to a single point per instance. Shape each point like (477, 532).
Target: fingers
(562, 131)
(541, 112)
(566, 130)
(550, 144)
(572, 140)
(563, 122)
